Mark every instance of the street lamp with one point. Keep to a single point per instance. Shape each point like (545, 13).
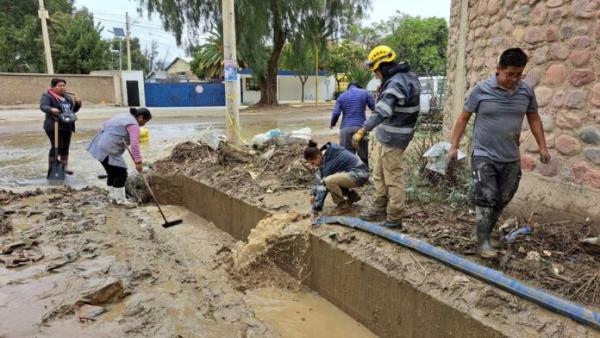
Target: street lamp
(119, 32)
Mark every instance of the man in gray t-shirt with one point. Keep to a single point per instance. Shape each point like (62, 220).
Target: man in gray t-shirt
(500, 104)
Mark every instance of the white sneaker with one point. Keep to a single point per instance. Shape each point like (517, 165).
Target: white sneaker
(121, 198)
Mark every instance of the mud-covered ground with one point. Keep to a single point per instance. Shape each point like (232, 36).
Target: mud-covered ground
(552, 256)
(65, 254)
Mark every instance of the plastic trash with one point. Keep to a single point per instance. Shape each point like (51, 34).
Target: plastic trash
(211, 137)
(304, 133)
(438, 160)
(518, 232)
(260, 140)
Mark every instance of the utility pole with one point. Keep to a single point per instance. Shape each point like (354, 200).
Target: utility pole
(127, 24)
(232, 84)
(43, 14)
(316, 75)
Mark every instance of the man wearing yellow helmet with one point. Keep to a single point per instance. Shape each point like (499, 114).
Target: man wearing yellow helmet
(395, 116)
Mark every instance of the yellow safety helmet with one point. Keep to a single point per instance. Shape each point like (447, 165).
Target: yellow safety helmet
(378, 55)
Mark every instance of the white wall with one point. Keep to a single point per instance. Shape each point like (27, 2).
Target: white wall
(249, 96)
(290, 88)
(133, 75)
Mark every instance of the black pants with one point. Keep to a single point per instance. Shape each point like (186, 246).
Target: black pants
(495, 182)
(346, 142)
(117, 176)
(64, 142)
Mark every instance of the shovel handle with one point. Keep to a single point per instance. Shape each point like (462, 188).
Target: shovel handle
(149, 188)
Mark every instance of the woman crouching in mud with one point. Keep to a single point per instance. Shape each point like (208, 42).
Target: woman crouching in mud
(108, 146)
(339, 172)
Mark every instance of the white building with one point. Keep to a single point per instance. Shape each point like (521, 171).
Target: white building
(289, 87)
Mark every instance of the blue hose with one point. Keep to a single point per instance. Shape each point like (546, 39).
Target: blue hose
(572, 310)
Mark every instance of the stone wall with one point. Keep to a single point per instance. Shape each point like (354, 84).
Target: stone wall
(19, 88)
(562, 39)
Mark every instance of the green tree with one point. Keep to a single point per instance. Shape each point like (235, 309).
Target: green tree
(300, 59)
(342, 57)
(21, 47)
(422, 42)
(208, 58)
(360, 74)
(140, 59)
(77, 46)
(262, 27)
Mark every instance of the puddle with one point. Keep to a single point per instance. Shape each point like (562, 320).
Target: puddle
(303, 314)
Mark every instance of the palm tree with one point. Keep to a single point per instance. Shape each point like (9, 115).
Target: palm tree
(208, 58)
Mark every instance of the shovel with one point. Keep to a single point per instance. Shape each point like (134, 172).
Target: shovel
(56, 173)
(167, 223)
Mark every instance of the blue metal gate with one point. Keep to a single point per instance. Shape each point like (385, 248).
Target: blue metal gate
(184, 94)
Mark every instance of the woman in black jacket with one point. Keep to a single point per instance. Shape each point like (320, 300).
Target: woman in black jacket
(55, 102)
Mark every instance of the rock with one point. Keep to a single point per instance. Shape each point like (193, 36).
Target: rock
(567, 145)
(568, 120)
(88, 312)
(543, 95)
(534, 35)
(538, 15)
(550, 169)
(595, 114)
(576, 99)
(110, 293)
(590, 135)
(530, 144)
(580, 170)
(559, 51)
(555, 75)
(548, 123)
(592, 155)
(540, 55)
(581, 42)
(557, 13)
(492, 7)
(582, 77)
(580, 58)
(596, 94)
(566, 32)
(584, 8)
(551, 35)
(533, 77)
(506, 25)
(558, 100)
(554, 3)
(528, 162)
(550, 140)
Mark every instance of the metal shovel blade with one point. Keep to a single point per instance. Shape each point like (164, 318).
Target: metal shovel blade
(56, 174)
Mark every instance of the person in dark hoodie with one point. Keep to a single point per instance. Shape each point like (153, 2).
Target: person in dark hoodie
(339, 171)
(395, 116)
(54, 102)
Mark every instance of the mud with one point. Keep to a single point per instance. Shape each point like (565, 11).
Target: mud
(280, 183)
(150, 282)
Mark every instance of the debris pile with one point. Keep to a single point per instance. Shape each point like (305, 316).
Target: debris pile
(244, 172)
(551, 256)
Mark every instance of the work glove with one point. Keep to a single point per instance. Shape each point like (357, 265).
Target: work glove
(357, 137)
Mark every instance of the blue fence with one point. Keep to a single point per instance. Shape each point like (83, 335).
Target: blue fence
(184, 94)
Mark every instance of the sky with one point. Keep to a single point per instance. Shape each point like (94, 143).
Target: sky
(111, 13)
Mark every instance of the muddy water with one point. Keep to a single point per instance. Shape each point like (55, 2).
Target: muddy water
(303, 314)
(23, 152)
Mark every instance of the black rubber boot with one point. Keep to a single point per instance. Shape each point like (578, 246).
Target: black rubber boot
(485, 224)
